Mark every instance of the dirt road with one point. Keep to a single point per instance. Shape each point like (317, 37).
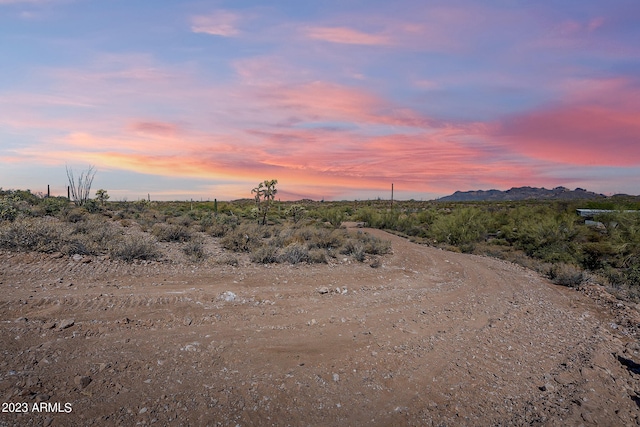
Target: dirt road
(427, 338)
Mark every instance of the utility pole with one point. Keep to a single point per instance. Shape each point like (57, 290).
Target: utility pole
(392, 195)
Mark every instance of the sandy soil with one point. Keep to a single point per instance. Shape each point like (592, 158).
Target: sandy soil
(427, 338)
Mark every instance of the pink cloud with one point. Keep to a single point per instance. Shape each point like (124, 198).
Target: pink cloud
(599, 124)
(155, 128)
(221, 23)
(323, 101)
(343, 35)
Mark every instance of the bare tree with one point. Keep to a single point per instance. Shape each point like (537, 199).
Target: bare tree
(80, 190)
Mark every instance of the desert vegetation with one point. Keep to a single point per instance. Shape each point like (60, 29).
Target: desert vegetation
(129, 231)
(547, 236)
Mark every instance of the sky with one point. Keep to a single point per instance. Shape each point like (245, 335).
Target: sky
(337, 100)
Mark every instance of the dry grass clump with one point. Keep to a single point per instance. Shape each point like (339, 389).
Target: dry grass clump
(34, 234)
(374, 245)
(171, 232)
(325, 238)
(229, 259)
(246, 237)
(194, 249)
(295, 253)
(566, 275)
(265, 254)
(75, 215)
(132, 247)
(294, 245)
(91, 237)
(183, 220)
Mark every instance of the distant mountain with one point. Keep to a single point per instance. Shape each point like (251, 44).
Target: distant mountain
(521, 193)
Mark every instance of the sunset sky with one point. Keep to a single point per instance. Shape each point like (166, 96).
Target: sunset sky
(334, 99)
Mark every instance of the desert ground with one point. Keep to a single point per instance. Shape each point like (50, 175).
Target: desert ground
(425, 337)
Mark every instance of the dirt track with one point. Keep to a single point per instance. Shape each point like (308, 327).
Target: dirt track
(428, 338)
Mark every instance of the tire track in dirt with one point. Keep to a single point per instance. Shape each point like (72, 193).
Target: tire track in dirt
(428, 338)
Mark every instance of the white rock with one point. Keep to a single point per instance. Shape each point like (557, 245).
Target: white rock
(228, 296)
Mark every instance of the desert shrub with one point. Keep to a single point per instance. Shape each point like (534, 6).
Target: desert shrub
(218, 229)
(75, 215)
(54, 205)
(373, 245)
(33, 234)
(90, 237)
(546, 237)
(231, 220)
(324, 238)
(207, 221)
(171, 233)
(335, 216)
(245, 238)
(566, 275)
(369, 216)
(182, 220)
(229, 260)
(265, 254)
(285, 236)
(624, 277)
(296, 212)
(317, 256)
(194, 249)
(92, 206)
(130, 247)
(8, 209)
(48, 234)
(462, 226)
(598, 255)
(294, 254)
(354, 248)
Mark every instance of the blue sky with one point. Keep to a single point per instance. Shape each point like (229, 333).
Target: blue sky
(336, 100)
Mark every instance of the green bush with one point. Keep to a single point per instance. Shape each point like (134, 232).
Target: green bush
(549, 237)
(335, 216)
(54, 205)
(8, 209)
(462, 226)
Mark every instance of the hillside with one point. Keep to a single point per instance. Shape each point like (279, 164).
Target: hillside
(521, 193)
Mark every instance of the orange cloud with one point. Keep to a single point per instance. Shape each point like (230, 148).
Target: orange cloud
(345, 35)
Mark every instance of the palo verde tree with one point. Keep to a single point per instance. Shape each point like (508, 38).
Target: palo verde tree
(81, 189)
(265, 193)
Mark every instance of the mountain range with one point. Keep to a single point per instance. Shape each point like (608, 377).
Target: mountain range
(521, 193)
